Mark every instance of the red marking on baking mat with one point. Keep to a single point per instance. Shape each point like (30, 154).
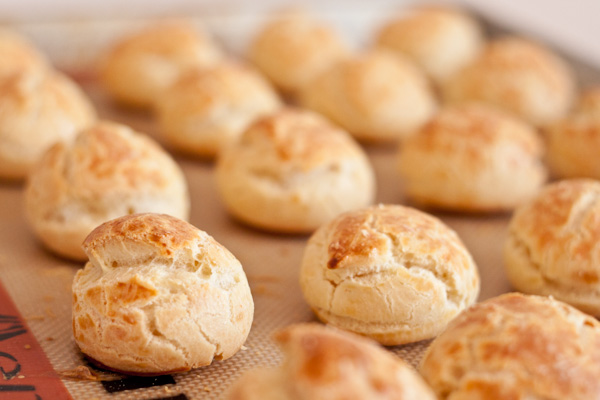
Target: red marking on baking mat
(25, 371)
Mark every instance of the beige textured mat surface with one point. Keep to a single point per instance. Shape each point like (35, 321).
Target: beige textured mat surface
(39, 283)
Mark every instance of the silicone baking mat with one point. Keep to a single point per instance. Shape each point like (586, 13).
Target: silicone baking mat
(38, 328)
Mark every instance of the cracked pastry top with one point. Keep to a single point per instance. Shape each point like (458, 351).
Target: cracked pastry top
(325, 363)
(388, 272)
(516, 347)
(377, 96)
(440, 39)
(573, 143)
(553, 244)
(294, 47)
(141, 65)
(157, 296)
(107, 171)
(519, 76)
(207, 109)
(472, 158)
(291, 171)
(38, 108)
(18, 54)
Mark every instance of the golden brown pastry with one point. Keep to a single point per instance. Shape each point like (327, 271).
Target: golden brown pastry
(472, 158)
(516, 347)
(291, 171)
(140, 66)
(18, 55)
(207, 109)
(107, 171)
(574, 142)
(441, 40)
(323, 363)
(37, 109)
(377, 96)
(553, 244)
(292, 48)
(519, 76)
(388, 272)
(159, 295)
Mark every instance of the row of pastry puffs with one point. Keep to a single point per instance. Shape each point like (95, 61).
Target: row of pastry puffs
(159, 295)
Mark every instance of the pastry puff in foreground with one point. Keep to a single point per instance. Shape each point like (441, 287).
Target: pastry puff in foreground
(516, 346)
(388, 272)
(158, 296)
(325, 363)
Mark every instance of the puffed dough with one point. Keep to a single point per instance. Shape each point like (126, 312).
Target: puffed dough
(325, 363)
(516, 347)
(441, 40)
(157, 296)
(107, 171)
(140, 66)
(207, 109)
(292, 171)
(574, 142)
(18, 55)
(519, 76)
(293, 48)
(388, 272)
(37, 109)
(472, 158)
(553, 244)
(378, 96)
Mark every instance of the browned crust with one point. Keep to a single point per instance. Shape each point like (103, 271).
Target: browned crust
(164, 232)
(359, 233)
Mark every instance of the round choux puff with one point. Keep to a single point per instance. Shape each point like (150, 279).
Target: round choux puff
(388, 272)
(441, 40)
(377, 96)
(206, 109)
(38, 108)
(291, 171)
(294, 47)
(516, 347)
(139, 66)
(325, 363)
(519, 76)
(553, 244)
(106, 172)
(158, 296)
(573, 143)
(472, 158)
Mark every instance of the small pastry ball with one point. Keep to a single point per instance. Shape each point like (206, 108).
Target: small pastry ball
(292, 171)
(106, 172)
(574, 142)
(294, 48)
(325, 363)
(38, 109)
(553, 244)
(139, 67)
(472, 158)
(377, 96)
(440, 40)
(516, 347)
(158, 296)
(518, 76)
(206, 109)
(18, 55)
(388, 272)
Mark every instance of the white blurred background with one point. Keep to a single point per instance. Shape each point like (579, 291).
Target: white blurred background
(73, 30)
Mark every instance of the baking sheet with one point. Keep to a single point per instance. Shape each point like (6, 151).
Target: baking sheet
(39, 283)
